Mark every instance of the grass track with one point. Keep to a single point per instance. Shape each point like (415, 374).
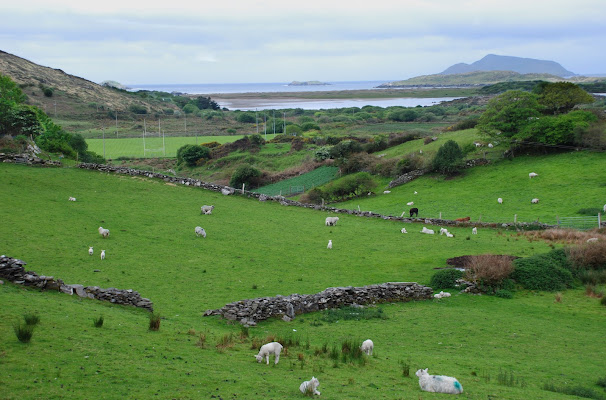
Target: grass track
(152, 248)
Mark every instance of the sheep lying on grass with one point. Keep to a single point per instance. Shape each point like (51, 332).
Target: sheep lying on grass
(427, 231)
(441, 295)
(270, 348)
(331, 221)
(386, 191)
(410, 203)
(592, 240)
(90, 251)
(103, 232)
(207, 210)
(310, 386)
(403, 230)
(438, 383)
(72, 199)
(200, 231)
(367, 347)
(103, 254)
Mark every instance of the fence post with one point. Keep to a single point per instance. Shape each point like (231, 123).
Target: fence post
(440, 214)
(599, 220)
(243, 188)
(515, 218)
(480, 219)
(359, 208)
(322, 201)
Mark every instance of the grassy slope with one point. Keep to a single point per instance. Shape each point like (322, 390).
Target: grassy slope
(317, 177)
(152, 248)
(566, 183)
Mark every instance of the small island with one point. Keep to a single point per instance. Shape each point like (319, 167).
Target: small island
(308, 83)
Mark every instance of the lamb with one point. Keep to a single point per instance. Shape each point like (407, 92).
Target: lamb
(329, 245)
(410, 203)
(207, 210)
(443, 231)
(90, 251)
(200, 231)
(474, 231)
(490, 145)
(367, 347)
(532, 175)
(310, 386)
(72, 199)
(534, 201)
(103, 232)
(500, 200)
(427, 231)
(417, 193)
(331, 221)
(438, 383)
(103, 254)
(403, 230)
(270, 348)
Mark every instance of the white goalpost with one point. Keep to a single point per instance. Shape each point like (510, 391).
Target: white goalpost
(160, 135)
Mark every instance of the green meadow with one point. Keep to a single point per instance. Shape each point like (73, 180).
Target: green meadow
(497, 348)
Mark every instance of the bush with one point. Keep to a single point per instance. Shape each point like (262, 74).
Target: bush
(98, 322)
(488, 270)
(349, 186)
(469, 123)
(541, 272)
(310, 126)
(588, 255)
(24, 332)
(449, 159)
(246, 118)
(48, 92)
(322, 153)
(154, 322)
(504, 294)
(137, 109)
(445, 279)
(190, 154)
(31, 319)
(245, 174)
(345, 148)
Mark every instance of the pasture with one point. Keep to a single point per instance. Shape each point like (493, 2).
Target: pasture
(258, 249)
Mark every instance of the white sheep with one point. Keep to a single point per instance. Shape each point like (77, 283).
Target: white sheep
(416, 192)
(90, 251)
(103, 254)
(490, 145)
(386, 191)
(500, 200)
(403, 230)
(329, 245)
(207, 210)
(427, 231)
(270, 348)
(474, 231)
(331, 221)
(534, 201)
(410, 203)
(310, 386)
(72, 199)
(367, 347)
(477, 144)
(438, 383)
(592, 240)
(443, 231)
(448, 234)
(532, 175)
(200, 231)
(103, 232)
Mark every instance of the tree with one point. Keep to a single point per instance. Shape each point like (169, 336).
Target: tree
(204, 103)
(561, 97)
(190, 154)
(559, 129)
(245, 174)
(246, 118)
(449, 159)
(508, 113)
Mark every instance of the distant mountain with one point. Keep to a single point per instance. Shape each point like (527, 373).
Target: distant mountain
(308, 83)
(476, 78)
(493, 62)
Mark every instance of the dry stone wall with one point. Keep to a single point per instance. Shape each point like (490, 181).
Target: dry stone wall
(13, 270)
(27, 159)
(249, 312)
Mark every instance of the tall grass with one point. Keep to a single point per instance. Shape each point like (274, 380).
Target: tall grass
(24, 332)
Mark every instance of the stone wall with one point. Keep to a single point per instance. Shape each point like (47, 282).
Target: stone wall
(13, 270)
(27, 159)
(407, 177)
(249, 312)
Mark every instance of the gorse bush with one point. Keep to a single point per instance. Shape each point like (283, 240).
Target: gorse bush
(445, 278)
(24, 332)
(31, 319)
(588, 255)
(98, 322)
(245, 174)
(449, 159)
(487, 270)
(541, 272)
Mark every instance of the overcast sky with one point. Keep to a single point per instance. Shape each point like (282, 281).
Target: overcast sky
(234, 41)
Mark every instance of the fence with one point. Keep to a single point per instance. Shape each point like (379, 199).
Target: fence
(581, 223)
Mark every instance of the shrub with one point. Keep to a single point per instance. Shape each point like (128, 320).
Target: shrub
(541, 272)
(246, 118)
(322, 153)
(468, 123)
(190, 154)
(24, 332)
(245, 174)
(137, 109)
(588, 255)
(445, 278)
(310, 126)
(504, 294)
(48, 92)
(154, 322)
(345, 148)
(31, 319)
(488, 270)
(211, 145)
(98, 322)
(349, 186)
(449, 159)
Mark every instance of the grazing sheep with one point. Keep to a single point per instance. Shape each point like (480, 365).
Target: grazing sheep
(474, 231)
(367, 347)
(386, 191)
(532, 175)
(207, 210)
(403, 230)
(270, 348)
(443, 231)
(500, 200)
(534, 201)
(591, 240)
(72, 199)
(427, 231)
(103, 232)
(416, 192)
(227, 191)
(103, 254)
(490, 145)
(463, 219)
(329, 245)
(90, 251)
(310, 386)
(331, 221)
(420, 151)
(477, 144)
(438, 383)
(410, 203)
(414, 211)
(200, 231)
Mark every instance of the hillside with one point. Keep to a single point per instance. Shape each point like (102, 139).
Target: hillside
(476, 78)
(493, 62)
(71, 92)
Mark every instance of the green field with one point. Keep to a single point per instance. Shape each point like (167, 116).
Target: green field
(133, 147)
(304, 182)
(258, 249)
